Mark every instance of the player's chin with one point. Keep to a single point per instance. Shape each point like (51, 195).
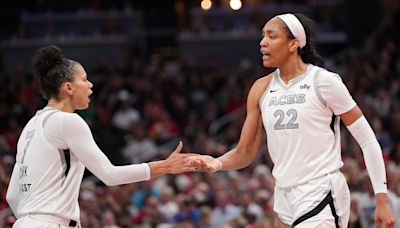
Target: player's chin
(267, 63)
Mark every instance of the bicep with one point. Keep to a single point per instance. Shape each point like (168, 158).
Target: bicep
(81, 143)
(349, 117)
(79, 140)
(253, 129)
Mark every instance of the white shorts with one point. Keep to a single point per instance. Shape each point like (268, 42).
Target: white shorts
(307, 205)
(41, 221)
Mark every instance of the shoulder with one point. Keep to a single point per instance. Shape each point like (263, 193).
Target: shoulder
(325, 76)
(68, 119)
(260, 85)
(257, 91)
(58, 125)
(67, 115)
(264, 80)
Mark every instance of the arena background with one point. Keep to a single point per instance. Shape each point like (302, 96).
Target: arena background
(170, 70)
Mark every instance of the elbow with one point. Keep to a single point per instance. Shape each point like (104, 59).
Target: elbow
(108, 180)
(107, 176)
(11, 200)
(246, 156)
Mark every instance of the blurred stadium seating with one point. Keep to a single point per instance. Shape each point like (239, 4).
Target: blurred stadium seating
(177, 72)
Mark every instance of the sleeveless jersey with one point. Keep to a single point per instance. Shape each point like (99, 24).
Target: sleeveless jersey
(302, 129)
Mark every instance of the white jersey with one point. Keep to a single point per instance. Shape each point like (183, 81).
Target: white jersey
(52, 152)
(302, 131)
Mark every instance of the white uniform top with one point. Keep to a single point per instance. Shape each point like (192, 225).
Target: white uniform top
(297, 118)
(52, 152)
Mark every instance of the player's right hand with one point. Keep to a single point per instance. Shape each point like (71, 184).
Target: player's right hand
(206, 163)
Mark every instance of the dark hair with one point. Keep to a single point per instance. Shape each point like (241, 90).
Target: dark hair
(53, 69)
(309, 53)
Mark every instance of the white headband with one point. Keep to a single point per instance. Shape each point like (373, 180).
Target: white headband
(295, 27)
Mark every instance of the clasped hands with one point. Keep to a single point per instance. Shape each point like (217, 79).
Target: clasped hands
(205, 163)
(187, 162)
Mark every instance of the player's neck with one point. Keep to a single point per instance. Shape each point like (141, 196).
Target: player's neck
(292, 69)
(62, 105)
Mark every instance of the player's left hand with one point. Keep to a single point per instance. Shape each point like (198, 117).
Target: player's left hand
(383, 213)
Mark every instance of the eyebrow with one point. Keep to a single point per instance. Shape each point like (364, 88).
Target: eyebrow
(271, 30)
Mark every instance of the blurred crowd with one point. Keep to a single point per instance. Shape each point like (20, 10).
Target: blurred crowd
(139, 111)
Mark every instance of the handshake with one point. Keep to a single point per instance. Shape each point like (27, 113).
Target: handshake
(205, 163)
(179, 163)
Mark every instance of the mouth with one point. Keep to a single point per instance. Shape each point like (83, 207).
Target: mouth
(90, 94)
(265, 55)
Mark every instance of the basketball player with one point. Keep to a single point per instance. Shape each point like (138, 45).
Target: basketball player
(299, 105)
(56, 145)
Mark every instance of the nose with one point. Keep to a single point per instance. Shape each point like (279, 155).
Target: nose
(263, 42)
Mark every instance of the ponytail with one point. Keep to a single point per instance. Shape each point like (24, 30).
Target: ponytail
(309, 53)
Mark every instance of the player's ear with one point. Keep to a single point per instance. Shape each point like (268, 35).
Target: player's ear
(294, 44)
(67, 88)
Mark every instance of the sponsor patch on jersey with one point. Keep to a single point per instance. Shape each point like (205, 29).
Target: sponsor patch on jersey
(305, 86)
